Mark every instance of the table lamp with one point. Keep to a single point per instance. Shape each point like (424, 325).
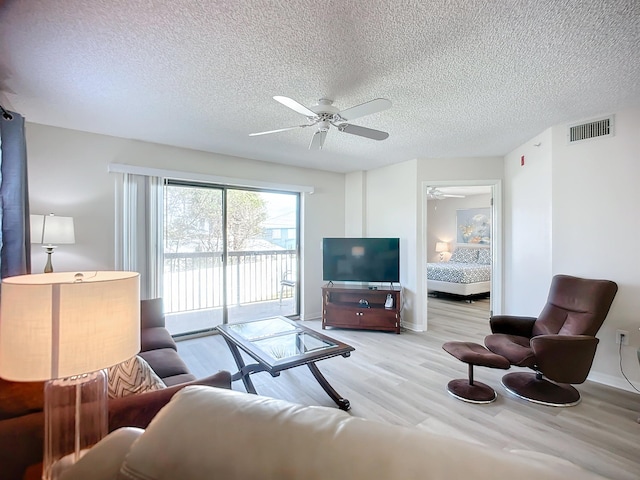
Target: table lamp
(65, 329)
(50, 230)
(442, 247)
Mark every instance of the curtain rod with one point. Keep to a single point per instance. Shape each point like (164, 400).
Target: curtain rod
(6, 115)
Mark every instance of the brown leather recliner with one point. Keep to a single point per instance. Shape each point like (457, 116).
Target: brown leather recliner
(559, 344)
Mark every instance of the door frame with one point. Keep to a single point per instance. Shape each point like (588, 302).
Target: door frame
(497, 241)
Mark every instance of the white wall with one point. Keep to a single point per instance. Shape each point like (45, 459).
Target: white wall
(355, 189)
(442, 221)
(391, 194)
(585, 224)
(68, 176)
(527, 221)
(596, 228)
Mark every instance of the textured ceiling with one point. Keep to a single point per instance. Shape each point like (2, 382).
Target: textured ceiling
(466, 78)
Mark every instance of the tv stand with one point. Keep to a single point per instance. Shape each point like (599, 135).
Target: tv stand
(360, 307)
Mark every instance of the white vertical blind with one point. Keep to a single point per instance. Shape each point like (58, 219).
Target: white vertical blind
(139, 230)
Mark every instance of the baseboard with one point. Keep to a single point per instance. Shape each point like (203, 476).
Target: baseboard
(311, 316)
(412, 326)
(611, 381)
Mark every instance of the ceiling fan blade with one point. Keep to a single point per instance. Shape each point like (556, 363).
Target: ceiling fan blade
(276, 131)
(318, 140)
(436, 194)
(366, 108)
(293, 105)
(363, 131)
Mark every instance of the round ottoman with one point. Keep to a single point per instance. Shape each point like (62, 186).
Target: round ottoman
(473, 354)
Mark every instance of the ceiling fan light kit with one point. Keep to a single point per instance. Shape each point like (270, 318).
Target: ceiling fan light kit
(323, 115)
(434, 194)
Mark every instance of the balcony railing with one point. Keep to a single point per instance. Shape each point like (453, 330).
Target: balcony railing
(194, 281)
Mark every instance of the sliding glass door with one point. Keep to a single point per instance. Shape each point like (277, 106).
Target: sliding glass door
(193, 257)
(229, 255)
(262, 259)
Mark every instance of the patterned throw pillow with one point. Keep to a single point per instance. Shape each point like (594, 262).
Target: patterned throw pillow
(464, 255)
(484, 256)
(131, 377)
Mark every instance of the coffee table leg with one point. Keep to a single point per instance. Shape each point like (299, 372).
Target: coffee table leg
(242, 373)
(343, 403)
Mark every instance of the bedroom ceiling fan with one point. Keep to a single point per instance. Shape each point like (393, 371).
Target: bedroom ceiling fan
(323, 115)
(434, 194)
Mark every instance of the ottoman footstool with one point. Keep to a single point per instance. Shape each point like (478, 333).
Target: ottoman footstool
(472, 354)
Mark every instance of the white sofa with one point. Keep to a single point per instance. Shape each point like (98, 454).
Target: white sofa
(206, 432)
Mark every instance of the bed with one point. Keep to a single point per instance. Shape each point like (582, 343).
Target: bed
(468, 272)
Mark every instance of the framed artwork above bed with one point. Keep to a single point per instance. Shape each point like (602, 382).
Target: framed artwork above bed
(473, 226)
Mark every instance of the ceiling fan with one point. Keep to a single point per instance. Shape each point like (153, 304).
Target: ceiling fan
(323, 115)
(434, 194)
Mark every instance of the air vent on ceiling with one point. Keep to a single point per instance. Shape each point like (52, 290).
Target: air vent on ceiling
(597, 128)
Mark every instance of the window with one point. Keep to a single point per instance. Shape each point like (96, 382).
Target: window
(222, 262)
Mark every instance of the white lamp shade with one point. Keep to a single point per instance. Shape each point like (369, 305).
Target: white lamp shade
(54, 326)
(37, 223)
(442, 247)
(52, 229)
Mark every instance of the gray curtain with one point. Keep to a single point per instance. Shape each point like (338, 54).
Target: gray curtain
(15, 239)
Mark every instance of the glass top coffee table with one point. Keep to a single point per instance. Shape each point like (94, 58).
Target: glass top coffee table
(278, 344)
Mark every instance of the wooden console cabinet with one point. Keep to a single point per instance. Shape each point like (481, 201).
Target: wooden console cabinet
(360, 307)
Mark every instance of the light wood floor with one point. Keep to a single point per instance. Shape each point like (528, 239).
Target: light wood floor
(401, 379)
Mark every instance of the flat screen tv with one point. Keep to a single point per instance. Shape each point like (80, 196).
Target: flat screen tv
(361, 260)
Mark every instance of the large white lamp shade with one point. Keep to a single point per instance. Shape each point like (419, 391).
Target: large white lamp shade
(66, 328)
(57, 325)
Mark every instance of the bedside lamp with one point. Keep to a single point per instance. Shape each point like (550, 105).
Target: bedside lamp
(49, 230)
(442, 247)
(65, 328)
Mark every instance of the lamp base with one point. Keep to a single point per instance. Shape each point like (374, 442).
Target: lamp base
(48, 268)
(76, 416)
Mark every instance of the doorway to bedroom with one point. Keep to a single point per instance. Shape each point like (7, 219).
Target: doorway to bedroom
(460, 245)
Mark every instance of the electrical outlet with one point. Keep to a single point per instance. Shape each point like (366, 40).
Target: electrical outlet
(624, 335)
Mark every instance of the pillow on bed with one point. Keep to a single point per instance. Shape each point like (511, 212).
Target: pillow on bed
(464, 255)
(484, 256)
